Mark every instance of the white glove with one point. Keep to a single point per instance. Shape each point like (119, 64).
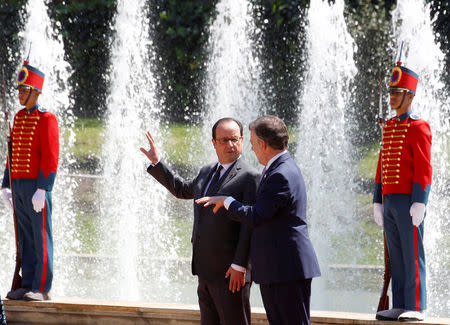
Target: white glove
(7, 197)
(417, 212)
(38, 200)
(378, 213)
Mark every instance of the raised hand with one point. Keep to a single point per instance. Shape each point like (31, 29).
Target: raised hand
(152, 153)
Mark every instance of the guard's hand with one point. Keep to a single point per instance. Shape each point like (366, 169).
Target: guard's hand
(237, 279)
(38, 200)
(7, 197)
(417, 212)
(378, 209)
(152, 153)
(217, 201)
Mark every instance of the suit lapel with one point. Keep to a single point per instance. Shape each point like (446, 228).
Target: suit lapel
(274, 166)
(205, 180)
(229, 175)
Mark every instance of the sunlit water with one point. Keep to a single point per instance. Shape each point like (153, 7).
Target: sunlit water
(324, 151)
(232, 85)
(137, 230)
(137, 236)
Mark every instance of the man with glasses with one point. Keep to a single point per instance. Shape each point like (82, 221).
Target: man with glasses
(33, 165)
(282, 256)
(220, 256)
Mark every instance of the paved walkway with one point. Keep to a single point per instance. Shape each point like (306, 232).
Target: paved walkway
(64, 311)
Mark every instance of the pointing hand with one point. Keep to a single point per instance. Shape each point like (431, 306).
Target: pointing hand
(217, 201)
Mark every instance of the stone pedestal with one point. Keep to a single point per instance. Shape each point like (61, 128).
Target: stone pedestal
(65, 311)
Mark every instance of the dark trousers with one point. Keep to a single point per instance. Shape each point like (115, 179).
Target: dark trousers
(35, 237)
(407, 258)
(287, 303)
(219, 306)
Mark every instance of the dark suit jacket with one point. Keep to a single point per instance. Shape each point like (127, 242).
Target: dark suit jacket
(217, 241)
(281, 250)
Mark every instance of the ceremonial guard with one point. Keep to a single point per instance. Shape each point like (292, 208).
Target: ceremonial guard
(32, 171)
(402, 185)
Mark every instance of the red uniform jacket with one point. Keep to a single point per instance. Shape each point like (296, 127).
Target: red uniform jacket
(35, 148)
(404, 160)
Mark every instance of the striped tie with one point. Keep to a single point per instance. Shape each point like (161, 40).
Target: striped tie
(214, 185)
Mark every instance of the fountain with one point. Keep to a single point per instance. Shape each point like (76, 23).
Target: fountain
(136, 233)
(324, 151)
(233, 69)
(138, 221)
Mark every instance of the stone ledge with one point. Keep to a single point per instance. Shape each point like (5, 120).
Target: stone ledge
(65, 311)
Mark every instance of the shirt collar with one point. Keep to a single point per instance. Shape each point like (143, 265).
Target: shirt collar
(32, 109)
(226, 166)
(402, 117)
(274, 158)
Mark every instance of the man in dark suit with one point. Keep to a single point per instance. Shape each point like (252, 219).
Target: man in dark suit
(282, 257)
(220, 245)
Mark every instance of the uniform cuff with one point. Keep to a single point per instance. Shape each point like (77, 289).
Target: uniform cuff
(377, 197)
(419, 195)
(5, 182)
(46, 183)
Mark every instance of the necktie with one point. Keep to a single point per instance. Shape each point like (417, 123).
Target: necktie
(214, 185)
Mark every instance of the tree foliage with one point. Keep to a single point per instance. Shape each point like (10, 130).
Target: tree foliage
(86, 30)
(440, 13)
(180, 33)
(370, 26)
(281, 49)
(11, 13)
(179, 30)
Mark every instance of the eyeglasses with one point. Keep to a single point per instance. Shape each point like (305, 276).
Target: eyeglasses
(234, 140)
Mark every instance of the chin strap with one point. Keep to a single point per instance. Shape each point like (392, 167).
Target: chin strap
(401, 103)
(29, 95)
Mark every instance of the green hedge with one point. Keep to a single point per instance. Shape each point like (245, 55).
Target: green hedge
(179, 29)
(87, 33)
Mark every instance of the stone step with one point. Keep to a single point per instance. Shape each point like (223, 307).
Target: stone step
(65, 311)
